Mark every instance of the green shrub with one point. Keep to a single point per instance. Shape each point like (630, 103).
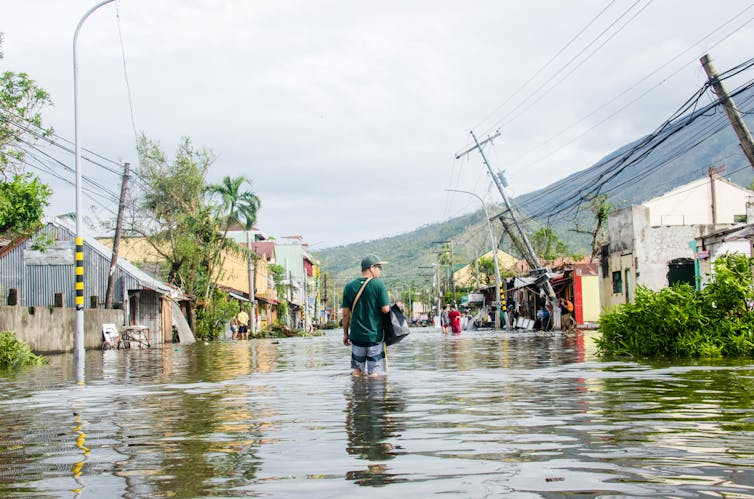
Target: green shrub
(211, 319)
(681, 322)
(16, 353)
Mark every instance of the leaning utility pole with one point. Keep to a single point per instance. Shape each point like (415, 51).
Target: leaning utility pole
(109, 294)
(529, 254)
(746, 142)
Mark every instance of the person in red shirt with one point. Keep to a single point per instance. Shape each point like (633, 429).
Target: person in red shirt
(455, 320)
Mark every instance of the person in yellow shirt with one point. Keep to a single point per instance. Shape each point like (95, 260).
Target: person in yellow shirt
(243, 324)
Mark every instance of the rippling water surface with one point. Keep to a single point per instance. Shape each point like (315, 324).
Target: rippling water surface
(489, 414)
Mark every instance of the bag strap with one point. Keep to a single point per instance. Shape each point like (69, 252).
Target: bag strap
(358, 295)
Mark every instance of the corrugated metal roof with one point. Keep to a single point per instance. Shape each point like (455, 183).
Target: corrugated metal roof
(144, 279)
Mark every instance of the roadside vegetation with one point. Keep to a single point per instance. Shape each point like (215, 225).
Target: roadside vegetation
(717, 321)
(15, 353)
(22, 196)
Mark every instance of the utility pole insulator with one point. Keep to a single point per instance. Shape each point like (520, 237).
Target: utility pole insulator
(501, 177)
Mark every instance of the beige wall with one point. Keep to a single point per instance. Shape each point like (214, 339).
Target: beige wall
(618, 263)
(590, 298)
(235, 267)
(692, 203)
(236, 275)
(52, 330)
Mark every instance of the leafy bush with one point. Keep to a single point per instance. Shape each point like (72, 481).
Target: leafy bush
(16, 353)
(211, 319)
(22, 203)
(278, 330)
(682, 322)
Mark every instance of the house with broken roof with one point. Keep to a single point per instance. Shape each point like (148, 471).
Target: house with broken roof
(37, 276)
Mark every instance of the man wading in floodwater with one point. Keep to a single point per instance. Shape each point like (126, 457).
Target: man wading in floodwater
(365, 301)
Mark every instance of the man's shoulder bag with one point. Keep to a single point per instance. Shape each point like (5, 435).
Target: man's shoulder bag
(394, 324)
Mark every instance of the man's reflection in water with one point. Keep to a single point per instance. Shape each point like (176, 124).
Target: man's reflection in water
(371, 410)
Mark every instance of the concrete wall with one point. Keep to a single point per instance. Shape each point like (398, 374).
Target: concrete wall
(660, 246)
(622, 226)
(52, 330)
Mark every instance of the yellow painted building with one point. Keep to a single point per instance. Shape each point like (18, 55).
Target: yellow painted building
(234, 276)
(465, 276)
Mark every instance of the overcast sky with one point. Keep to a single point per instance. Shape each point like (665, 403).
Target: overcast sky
(347, 115)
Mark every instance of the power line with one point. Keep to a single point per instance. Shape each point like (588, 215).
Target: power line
(660, 83)
(125, 71)
(545, 65)
(505, 119)
(611, 167)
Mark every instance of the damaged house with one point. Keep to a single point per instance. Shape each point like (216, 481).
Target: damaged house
(655, 244)
(37, 277)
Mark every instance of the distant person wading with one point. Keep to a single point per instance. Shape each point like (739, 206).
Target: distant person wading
(365, 301)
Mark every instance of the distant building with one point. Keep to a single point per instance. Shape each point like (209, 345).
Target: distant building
(302, 281)
(469, 276)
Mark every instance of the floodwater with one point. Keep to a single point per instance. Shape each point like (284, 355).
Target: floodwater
(483, 414)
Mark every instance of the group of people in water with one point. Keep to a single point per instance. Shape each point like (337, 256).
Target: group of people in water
(450, 317)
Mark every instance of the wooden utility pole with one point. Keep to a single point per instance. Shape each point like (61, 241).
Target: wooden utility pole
(744, 137)
(109, 294)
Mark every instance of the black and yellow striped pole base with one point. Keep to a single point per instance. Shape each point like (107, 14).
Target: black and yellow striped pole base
(79, 273)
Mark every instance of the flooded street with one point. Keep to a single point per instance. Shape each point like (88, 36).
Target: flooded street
(483, 414)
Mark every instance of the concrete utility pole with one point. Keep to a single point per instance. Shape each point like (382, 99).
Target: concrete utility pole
(436, 275)
(744, 136)
(109, 294)
(79, 352)
(529, 254)
(493, 246)
(252, 286)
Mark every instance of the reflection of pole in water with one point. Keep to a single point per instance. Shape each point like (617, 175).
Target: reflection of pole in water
(80, 441)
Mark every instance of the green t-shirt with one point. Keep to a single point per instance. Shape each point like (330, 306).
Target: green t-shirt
(366, 319)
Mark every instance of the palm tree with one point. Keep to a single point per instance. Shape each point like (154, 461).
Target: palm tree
(238, 207)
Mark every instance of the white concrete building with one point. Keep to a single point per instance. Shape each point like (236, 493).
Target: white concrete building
(655, 244)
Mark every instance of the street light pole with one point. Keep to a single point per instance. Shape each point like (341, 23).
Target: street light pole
(498, 280)
(79, 352)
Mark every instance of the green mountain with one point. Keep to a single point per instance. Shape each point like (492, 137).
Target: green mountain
(679, 151)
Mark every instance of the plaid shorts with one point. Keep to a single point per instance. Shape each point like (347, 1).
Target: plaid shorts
(369, 360)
